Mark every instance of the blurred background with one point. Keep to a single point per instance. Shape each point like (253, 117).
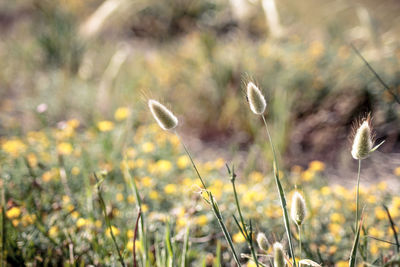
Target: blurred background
(83, 59)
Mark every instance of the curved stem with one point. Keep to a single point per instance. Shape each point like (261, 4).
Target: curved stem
(281, 194)
(214, 205)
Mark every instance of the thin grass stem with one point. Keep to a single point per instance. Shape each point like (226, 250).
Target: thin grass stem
(134, 238)
(214, 205)
(248, 236)
(393, 226)
(281, 194)
(357, 193)
(132, 183)
(107, 219)
(299, 228)
(191, 160)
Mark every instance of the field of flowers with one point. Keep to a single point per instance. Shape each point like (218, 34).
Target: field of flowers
(52, 214)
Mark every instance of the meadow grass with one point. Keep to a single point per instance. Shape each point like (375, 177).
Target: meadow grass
(152, 205)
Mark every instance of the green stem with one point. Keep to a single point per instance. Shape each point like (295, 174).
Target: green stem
(299, 228)
(214, 205)
(247, 236)
(281, 194)
(221, 223)
(191, 160)
(357, 193)
(143, 236)
(103, 207)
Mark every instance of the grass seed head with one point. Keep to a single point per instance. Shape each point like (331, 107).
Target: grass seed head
(164, 117)
(298, 210)
(256, 99)
(279, 255)
(363, 140)
(262, 241)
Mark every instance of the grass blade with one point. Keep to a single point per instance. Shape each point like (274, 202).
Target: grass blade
(134, 237)
(376, 74)
(393, 226)
(353, 255)
(168, 244)
(185, 248)
(107, 219)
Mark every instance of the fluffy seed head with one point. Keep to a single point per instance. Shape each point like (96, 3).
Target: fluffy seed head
(298, 210)
(262, 241)
(163, 116)
(363, 141)
(256, 99)
(279, 255)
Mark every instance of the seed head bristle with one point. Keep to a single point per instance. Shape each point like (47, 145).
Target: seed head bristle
(262, 241)
(363, 139)
(279, 255)
(298, 209)
(164, 117)
(256, 99)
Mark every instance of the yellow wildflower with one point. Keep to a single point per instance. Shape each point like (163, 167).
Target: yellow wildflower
(397, 171)
(80, 222)
(342, 264)
(114, 229)
(53, 231)
(373, 248)
(28, 219)
(64, 148)
(146, 181)
(119, 197)
(337, 218)
(105, 126)
(129, 246)
(183, 162)
(14, 147)
(202, 220)
(145, 208)
(47, 176)
(380, 213)
(238, 238)
(307, 175)
(32, 160)
(75, 171)
(131, 199)
(256, 176)
(130, 233)
(153, 195)
(148, 147)
(170, 189)
(316, 166)
(163, 166)
(13, 213)
(121, 113)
